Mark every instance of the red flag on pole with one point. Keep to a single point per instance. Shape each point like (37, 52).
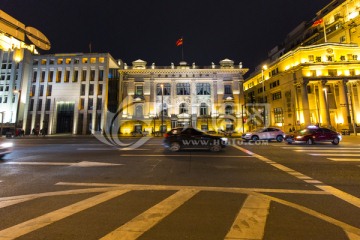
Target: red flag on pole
(318, 22)
(179, 42)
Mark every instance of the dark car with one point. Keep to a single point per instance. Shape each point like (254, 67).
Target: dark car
(191, 138)
(312, 135)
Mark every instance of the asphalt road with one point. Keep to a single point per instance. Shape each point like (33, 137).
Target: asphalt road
(80, 188)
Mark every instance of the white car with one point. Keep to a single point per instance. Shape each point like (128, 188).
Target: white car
(5, 148)
(269, 133)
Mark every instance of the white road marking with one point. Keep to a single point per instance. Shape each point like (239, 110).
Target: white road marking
(312, 148)
(142, 223)
(139, 187)
(345, 159)
(182, 155)
(49, 218)
(327, 150)
(79, 164)
(251, 219)
(335, 154)
(96, 149)
(334, 191)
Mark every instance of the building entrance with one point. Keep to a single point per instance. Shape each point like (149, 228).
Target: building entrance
(65, 117)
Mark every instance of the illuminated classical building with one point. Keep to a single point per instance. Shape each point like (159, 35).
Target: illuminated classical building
(15, 60)
(208, 98)
(314, 76)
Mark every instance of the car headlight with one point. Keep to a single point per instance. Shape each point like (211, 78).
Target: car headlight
(299, 137)
(224, 140)
(6, 145)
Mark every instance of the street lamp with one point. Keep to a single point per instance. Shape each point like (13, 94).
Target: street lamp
(264, 67)
(17, 110)
(162, 107)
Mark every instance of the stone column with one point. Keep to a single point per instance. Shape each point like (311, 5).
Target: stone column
(358, 93)
(343, 102)
(324, 111)
(305, 102)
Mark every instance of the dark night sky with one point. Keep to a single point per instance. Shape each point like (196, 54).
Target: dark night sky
(243, 31)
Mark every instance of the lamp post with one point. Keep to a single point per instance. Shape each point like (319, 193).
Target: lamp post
(264, 67)
(162, 107)
(17, 110)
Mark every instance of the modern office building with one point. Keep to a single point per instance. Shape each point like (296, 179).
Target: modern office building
(71, 93)
(208, 98)
(313, 77)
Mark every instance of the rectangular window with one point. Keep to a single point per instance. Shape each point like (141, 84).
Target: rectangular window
(67, 76)
(50, 76)
(41, 91)
(39, 105)
(82, 104)
(76, 76)
(90, 104)
(101, 75)
(166, 87)
(42, 76)
(84, 60)
(276, 96)
(92, 75)
(91, 89)
(47, 104)
(92, 60)
(43, 62)
(34, 76)
(76, 61)
(99, 104)
(5, 99)
(58, 76)
(33, 89)
(203, 88)
(139, 91)
(83, 78)
(82, 90)
(31, 106)
(278, 115)
(227, 89)
(100, 89)
(68, 61)
(60, 61)
(0, 99)
(49, 90)
(183, 89)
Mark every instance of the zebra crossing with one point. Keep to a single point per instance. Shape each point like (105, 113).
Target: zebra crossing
(338, 154)
(249, 222)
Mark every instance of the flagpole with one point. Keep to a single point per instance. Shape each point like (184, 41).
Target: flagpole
(182, 49)
(325, 39)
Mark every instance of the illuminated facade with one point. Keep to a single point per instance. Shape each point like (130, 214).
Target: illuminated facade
(314, 76)
(208, 98)
(68, 93)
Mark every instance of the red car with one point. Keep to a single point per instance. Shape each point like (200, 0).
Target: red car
(311, 135)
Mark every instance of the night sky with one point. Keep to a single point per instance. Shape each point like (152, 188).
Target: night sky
(241, 30)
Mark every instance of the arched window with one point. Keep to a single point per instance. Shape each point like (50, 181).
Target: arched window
(138, 111)
(228, 109)
(183, 108)
(203, 109)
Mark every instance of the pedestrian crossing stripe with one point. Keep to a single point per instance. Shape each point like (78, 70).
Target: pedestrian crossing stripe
(248, 224)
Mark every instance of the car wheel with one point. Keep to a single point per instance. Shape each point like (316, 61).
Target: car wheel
(215, 148)
(335, 141)
(255, 138)
(310, 141)
(279, 138)
(174, 147)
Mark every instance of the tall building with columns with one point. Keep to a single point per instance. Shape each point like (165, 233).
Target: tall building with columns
(313, 77)
(208, 98)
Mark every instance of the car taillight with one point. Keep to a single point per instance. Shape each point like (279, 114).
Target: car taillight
(166, 135)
